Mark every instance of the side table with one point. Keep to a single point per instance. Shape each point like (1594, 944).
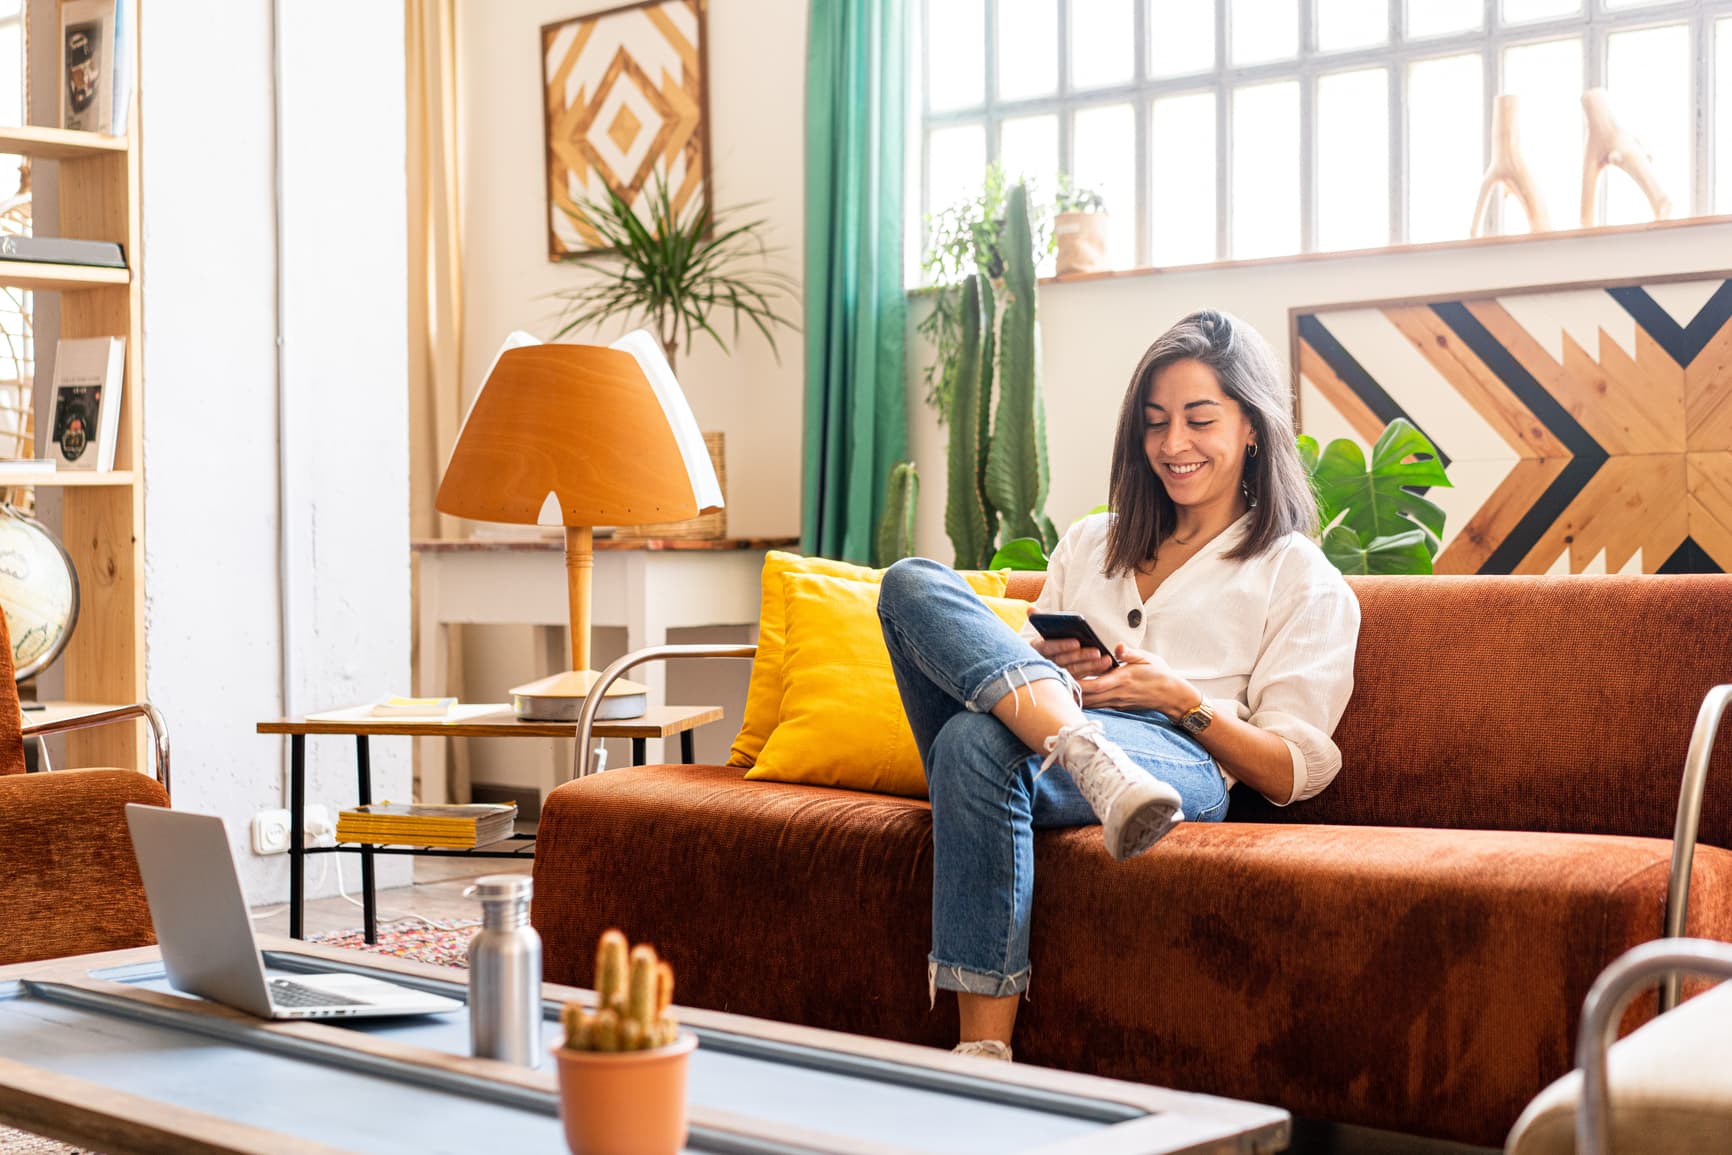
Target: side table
(499, 722)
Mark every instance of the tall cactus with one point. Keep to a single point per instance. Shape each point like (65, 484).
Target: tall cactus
(895, 537)
(968, 515)
(1017, 473)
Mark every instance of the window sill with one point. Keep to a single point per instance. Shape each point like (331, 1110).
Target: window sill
(1385, 251)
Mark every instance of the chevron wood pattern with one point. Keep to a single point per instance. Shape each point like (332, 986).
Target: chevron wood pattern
(1588, 428)
(625, 102)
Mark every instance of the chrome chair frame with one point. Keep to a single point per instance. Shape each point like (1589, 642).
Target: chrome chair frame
(1618, 984)
(583, 758)
(158, 730)
(1689, 817)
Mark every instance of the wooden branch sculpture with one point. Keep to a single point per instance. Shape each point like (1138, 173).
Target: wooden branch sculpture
(1509, 170)
(1611, 144)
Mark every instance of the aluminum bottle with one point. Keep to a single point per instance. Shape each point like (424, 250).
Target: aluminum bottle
(505, 974)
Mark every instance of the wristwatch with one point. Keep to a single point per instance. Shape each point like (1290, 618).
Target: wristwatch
(1197, 718)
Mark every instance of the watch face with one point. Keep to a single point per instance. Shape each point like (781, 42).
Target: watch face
(1197, 720)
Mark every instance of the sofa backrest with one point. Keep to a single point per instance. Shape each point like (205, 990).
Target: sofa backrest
(1526, 703)
(11, 718)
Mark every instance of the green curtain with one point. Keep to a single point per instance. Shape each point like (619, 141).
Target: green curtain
(856, 112)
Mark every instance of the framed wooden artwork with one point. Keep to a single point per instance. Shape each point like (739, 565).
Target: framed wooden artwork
(626, 105)
(1587, 428)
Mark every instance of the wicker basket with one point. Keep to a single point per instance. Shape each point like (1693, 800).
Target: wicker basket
(704, 527)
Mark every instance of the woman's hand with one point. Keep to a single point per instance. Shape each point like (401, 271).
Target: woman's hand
(1144, 682)
(1071, 655)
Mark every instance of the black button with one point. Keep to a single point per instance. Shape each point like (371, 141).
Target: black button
(1135, 617)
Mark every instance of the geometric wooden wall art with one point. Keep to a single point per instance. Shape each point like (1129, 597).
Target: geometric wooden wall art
(625, 100)
(1587, 428)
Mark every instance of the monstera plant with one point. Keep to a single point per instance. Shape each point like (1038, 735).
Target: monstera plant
(1373, 521)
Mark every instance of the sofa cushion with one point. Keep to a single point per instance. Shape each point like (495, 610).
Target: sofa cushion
(1420, 980)
(842, 722)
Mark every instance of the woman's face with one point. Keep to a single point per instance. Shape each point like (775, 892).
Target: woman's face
(1194, 435)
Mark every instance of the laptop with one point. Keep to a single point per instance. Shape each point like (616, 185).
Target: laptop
(206, 935)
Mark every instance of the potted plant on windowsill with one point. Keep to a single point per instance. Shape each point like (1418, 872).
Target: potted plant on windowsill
(1080, 229)
(677, 270)
(622, 1066)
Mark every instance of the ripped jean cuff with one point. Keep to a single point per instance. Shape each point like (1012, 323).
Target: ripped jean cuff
(944, 976)
(1015, 677)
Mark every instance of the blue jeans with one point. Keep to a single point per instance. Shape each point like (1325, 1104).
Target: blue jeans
(954, 659)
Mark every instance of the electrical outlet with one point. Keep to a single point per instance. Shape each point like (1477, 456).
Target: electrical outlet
(271, 829)
(271, 832)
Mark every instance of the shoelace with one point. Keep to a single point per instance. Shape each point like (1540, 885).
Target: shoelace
(1061, 741)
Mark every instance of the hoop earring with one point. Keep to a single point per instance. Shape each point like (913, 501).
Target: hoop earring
(1251, 449)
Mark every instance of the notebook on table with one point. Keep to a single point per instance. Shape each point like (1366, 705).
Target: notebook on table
(206, 936)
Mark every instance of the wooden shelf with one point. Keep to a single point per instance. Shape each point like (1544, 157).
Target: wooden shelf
(59, 278)
(65, 477)
(56, 143)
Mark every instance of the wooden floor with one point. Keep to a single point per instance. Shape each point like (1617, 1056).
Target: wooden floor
(436, 894)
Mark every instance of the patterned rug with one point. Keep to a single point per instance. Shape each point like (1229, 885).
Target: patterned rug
(442, 942)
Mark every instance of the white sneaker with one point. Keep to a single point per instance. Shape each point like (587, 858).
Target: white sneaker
(984, 1049)
(1136, 809)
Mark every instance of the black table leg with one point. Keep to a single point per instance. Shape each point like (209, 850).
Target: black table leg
(364, 787)
(686, 752)
(297, 836)
(639, 748)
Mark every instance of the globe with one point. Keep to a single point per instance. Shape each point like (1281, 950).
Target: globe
(38, 591)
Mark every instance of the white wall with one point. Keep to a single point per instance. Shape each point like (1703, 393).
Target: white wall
(1094, 332)
(225, 468)
(756, 52)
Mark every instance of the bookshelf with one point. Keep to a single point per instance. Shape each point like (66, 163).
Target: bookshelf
(102, 514)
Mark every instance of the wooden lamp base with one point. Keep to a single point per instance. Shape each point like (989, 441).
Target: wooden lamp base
(560, 697)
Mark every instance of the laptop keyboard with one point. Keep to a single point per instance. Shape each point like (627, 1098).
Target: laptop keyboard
(288, 993)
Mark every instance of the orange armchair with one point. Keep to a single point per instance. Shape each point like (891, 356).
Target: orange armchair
(68, 882)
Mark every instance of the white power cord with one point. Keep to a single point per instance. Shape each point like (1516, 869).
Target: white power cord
(380, 915)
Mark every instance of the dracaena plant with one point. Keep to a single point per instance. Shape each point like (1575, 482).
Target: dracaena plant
(1373, 521)
(677, 271)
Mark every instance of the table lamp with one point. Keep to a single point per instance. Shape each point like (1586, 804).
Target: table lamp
(581, 436)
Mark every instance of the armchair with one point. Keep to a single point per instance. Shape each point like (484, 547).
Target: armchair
(68, 882)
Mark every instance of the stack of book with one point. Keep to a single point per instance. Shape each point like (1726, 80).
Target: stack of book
(416, 824)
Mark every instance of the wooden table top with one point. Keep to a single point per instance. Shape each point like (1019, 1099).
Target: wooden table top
(602, 544)
(499, 722)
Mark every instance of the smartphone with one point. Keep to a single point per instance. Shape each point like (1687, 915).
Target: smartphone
(1052, 627)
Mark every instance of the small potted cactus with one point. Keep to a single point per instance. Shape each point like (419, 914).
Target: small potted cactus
(622, 1066)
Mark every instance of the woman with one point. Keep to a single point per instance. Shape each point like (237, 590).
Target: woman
(1236, 639)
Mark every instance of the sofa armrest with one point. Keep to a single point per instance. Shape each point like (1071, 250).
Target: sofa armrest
(158, 729)
(1689, 816)
(1604, 1008)
(72, 885)
(582, 759)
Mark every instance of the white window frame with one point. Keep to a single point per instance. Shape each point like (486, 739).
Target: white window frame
(1593, 25)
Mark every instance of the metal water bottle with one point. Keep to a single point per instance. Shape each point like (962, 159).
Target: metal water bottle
(505, 974)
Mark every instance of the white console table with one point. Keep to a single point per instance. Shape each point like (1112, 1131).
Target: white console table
(648, 586)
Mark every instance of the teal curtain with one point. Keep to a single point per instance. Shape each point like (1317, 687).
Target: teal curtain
(856, 113)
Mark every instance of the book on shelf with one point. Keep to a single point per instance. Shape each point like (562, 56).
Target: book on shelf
(84, 409)
(62, 251)
(459, 826)
(395, 707)
(96, 48)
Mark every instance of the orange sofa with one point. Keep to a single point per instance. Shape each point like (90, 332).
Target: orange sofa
(1409, 950)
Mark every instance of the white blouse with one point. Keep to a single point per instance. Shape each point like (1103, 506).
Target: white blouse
(1269, 638)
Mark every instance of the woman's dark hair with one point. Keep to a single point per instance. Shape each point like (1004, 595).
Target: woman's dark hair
(1274, 480)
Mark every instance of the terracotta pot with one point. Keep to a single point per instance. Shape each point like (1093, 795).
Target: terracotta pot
(630, 1103)
(1082, 243)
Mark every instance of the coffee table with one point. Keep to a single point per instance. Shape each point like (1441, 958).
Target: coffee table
(99, 1051)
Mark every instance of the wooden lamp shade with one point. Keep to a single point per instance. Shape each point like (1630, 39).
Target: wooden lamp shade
(579, 427)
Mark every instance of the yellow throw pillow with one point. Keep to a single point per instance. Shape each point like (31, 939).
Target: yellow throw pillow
(842, 722)
(764, 694)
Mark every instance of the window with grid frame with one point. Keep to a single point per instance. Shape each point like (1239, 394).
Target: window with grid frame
(1237, 129)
